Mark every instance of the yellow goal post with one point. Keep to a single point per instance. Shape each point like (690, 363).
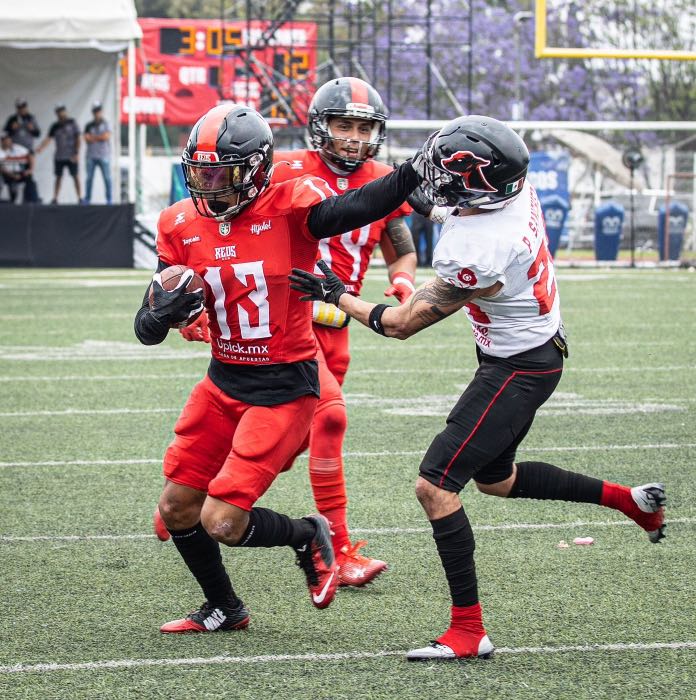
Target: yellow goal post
(542, 50)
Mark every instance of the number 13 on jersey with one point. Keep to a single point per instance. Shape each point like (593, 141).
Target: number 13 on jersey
(250, 276)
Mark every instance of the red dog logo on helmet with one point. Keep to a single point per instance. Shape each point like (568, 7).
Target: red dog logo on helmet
(468, 167)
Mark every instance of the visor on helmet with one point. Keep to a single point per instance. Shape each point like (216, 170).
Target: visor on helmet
(213, 185)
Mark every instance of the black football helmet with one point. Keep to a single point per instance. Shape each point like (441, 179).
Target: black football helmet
(229, 151)
(352, 98)
(473, 161)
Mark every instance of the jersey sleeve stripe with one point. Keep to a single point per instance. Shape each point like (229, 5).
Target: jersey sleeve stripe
(319, 191)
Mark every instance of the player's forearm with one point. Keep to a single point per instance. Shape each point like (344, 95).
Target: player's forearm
(357, 208)
(394, 322)
(406, 263)
(148, 330)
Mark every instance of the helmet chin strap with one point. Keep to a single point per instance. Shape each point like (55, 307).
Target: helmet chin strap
(333, 167)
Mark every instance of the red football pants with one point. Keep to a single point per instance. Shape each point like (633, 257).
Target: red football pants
(325, 439)
(231, 449)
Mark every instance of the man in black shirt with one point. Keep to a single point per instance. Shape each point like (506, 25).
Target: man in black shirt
(66, 135)
(22, 125)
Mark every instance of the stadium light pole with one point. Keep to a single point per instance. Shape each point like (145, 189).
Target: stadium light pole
(518, 104)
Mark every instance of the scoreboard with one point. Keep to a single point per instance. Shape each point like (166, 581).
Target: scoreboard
(185, 67)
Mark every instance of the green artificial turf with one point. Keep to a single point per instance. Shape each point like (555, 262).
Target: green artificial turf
(86, 413)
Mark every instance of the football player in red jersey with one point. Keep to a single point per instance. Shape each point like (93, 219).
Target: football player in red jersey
(248, 417)
(346, 125)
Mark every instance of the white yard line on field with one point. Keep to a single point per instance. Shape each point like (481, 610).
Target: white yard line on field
(364, 530)
(87, 412)
(99, 377)
(318, 658)
(383, 453)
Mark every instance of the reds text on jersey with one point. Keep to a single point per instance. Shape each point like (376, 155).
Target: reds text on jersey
(348, 255)
(255, 318)
(508, 245)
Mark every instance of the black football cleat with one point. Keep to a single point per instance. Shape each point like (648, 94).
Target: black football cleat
(210, 618)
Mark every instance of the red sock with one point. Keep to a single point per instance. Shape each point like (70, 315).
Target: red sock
(329, 488)
(619, 497)
(465, 630)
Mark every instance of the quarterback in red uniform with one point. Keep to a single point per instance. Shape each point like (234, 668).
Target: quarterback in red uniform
(248, 417)
(346, 124)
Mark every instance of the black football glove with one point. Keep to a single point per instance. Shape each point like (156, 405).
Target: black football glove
(328, 288)
(420, 202)
(174, 307)
(418, 164)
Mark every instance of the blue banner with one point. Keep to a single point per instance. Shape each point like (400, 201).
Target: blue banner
(548, 172)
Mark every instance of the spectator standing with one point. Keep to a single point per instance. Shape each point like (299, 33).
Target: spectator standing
(16, 168)
(66, 135)
(98, 138)
(22, 125)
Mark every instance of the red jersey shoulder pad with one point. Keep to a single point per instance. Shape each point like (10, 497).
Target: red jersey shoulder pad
(310, 188)
(288, 196)
(177, 217)
(287, 165)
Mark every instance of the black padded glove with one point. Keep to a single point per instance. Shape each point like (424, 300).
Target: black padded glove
(420, 202)
(174, 307)
(328, 288)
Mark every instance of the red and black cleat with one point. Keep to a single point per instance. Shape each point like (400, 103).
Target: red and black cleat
(316, 559)
(210, 618)
(650, 502)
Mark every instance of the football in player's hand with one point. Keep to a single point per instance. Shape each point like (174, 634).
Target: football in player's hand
(171, 277)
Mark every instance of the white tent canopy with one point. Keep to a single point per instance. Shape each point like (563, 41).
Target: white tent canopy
(78, 23)
(67, 52)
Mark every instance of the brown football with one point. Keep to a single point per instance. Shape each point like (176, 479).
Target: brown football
(170, 278)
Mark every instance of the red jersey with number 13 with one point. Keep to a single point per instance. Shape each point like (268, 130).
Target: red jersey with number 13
(348, 255)
(255, 318)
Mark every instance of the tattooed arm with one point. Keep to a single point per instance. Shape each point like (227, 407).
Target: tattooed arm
(432, 301)
(400, 255)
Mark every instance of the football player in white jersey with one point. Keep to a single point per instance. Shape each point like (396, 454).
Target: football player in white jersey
(492, 260)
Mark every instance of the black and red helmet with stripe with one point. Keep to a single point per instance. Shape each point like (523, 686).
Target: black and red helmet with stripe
(351, 98)
(474, 161)
(228, 160)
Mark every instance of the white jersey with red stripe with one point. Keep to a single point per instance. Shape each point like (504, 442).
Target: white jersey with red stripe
(348, 255)
(507, 245)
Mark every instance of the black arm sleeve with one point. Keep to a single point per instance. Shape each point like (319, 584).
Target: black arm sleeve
(148, 330)
(364, 205)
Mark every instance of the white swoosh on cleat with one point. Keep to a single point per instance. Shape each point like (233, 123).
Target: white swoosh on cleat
(319, 598)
